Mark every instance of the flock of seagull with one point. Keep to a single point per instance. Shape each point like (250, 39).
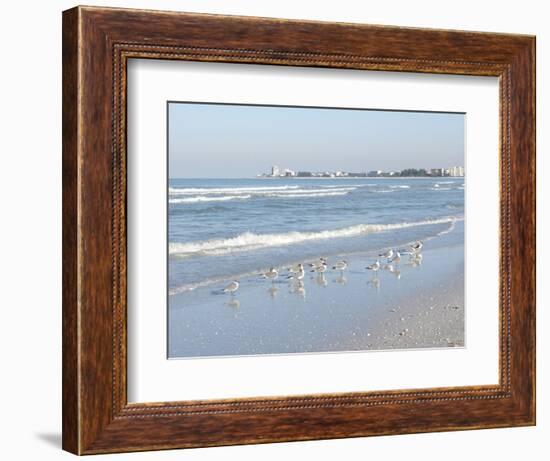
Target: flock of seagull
(386, 260)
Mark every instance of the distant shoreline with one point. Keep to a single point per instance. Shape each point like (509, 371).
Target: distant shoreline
(336, 177)
(356, 177)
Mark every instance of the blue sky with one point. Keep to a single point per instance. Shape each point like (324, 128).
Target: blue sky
(239, 141)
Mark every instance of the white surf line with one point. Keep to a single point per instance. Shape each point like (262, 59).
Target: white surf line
(263, 191)
(223, 190)
(249, 241)
(201, 198)
(308, 195)
(308, 191)
(226, 198)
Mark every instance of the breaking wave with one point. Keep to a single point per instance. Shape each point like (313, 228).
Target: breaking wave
(202, 198)
(224, 190)
(307, 194)
(249, 241)
(199, 195)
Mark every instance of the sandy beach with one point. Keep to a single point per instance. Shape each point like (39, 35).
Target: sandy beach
(417, 305)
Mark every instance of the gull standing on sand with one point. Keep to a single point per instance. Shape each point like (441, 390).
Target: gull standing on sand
(374, 267)
(297, 275)
(318, 263)
(232, 287)
(417, 246)
(341, 266)
(320, 269)
(271, 274)
(296, 268)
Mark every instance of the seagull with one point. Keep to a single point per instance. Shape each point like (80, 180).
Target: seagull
(320, 269)
(341, 266)
(297, 275)
(416, 246)
(374, 267)
(295, 268)
(318, 263)
(396, 257)
(271, 274)
(231, 287)
(387, 254)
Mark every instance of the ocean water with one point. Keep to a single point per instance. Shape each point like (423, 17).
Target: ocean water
(224, 229)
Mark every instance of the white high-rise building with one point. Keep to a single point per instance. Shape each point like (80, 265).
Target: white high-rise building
(456, 171)
(275, 171)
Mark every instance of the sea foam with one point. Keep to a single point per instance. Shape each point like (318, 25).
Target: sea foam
(250, 241)
(224, 190)
(202, 198)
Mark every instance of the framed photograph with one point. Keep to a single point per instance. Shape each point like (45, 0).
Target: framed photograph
(281, 230)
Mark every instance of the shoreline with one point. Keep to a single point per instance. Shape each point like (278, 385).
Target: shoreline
(352, 177)
(413, 306)
(335, 177)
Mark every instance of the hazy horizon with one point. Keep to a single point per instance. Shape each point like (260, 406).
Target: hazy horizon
(242, 141)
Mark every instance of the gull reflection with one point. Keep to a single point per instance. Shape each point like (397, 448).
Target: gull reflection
(341, 279)
(374, 283)
(235, 305)
(415, 260)
(321, 280)
(396, 273)
(298, 289)
(273, 291)
(392, 270)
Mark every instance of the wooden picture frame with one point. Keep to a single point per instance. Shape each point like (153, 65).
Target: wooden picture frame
(97, 43)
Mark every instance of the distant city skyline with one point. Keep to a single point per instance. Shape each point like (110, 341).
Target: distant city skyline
(238, 141)
(278, 172)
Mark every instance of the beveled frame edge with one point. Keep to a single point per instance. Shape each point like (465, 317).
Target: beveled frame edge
(97, 42)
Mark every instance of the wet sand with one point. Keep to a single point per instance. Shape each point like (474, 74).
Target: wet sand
(418, 304)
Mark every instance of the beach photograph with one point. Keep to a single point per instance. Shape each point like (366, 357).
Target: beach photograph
(297, 230)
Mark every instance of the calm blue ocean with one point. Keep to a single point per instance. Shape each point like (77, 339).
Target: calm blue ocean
(225, 228)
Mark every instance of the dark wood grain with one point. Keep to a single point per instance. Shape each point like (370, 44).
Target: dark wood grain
(97, 43)
(70, 384)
